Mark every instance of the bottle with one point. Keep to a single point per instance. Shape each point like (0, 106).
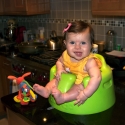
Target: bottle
(110, 45)
(110, 40)
(42, 33)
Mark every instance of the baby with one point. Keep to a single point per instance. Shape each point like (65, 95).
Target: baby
(77, 59)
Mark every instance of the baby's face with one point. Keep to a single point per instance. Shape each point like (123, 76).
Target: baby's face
(78, 45)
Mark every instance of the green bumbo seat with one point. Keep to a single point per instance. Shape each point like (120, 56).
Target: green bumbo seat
(101, 100)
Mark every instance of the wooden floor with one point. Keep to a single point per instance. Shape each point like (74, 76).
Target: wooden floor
(3, 121)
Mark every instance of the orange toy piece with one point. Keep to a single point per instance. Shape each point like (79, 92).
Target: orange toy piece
(25, 93)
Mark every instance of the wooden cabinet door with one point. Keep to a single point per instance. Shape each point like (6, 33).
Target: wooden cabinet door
(1, 95)
(5, 81)
(108, 7)
(26, 7)
(43, 6)
(38, 6)
(1, 7)
(14, 7)
(7, 6)
(32, 7)
(20, 5)
(5, 70)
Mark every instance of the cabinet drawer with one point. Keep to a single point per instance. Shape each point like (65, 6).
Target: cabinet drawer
(5, 63)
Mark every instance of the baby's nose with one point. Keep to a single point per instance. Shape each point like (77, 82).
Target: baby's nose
(77, 46)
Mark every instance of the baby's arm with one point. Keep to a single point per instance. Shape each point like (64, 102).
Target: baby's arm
(95, 78)
(60, 68)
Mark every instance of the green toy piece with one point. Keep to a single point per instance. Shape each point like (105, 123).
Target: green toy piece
(101, 100)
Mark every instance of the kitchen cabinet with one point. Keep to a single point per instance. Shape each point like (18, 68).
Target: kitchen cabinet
(108, 7)
(26, 7)
(1, 7)
(5, 70)
(17, 119)
(1, 94)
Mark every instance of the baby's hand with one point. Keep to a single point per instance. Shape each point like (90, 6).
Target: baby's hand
(58, 74)
(81, 98)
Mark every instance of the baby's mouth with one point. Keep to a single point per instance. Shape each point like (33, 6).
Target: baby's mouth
(79, 54)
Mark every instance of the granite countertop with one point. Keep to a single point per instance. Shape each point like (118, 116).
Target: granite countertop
(40, 109)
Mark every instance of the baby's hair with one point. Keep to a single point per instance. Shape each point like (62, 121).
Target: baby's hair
(78, 27)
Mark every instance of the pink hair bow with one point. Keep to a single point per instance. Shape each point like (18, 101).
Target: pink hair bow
(65, 29)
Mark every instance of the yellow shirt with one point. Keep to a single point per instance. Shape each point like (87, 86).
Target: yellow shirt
(77, 68)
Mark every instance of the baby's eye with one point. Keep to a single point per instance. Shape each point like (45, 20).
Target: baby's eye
(83, 43)
(72, 42)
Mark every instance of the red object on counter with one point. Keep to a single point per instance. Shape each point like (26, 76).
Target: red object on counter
(19, 34)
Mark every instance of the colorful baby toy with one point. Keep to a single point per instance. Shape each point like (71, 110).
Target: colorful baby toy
(25, 93)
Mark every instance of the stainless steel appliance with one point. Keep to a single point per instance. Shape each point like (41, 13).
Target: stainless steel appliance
(38, 65)
(110, 40)
(55, 42)
(10, 30)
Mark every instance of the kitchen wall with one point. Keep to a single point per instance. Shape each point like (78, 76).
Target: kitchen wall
(64, 11)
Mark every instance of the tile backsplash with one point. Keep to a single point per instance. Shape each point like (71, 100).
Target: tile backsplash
(64, 11)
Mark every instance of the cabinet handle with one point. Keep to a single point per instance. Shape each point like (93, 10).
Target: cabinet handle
(6, 64)
(22, 2)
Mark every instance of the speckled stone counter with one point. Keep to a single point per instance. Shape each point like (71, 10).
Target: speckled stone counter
(38, 111)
